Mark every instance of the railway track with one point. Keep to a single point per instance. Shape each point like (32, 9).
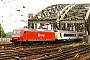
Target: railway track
(67, 53)
(11, 46)
(23, 51)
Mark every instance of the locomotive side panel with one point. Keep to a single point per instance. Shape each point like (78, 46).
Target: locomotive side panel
(40, 36)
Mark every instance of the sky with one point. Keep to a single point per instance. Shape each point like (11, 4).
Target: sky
(11, 19)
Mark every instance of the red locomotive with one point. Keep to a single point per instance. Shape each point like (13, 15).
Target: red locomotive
(30, 35)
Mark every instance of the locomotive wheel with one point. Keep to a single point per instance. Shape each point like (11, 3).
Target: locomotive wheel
(14, 43)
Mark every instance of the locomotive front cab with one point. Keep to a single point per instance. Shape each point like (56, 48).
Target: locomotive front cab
(16, 36)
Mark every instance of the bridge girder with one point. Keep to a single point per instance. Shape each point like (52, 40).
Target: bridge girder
(76, 16)
(72, 14)
(51, 11)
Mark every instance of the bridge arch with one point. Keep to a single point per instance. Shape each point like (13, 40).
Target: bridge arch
(63, 15)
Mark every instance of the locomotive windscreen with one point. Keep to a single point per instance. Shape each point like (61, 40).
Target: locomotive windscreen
(16, 31)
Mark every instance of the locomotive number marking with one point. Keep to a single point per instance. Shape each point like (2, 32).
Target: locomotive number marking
(41, 35)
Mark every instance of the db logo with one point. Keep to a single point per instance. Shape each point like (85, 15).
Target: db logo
(41, 35)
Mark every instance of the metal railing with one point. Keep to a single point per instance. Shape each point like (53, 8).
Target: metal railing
(5, 40)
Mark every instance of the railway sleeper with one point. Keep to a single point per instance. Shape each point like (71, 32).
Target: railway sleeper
(84, 51)
(57, 57)
(63, 53)
(35, 52)
(63, 56)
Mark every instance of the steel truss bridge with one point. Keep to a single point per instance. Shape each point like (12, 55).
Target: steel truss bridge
(63, 16)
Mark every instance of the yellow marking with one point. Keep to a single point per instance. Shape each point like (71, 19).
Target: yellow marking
(2, 46)
(60, 50)
(57, 33)
(16, 57)
(17, 47)
(76, 56)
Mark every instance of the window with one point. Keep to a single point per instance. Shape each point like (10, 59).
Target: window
(68, 35)
(60, 35)
(16, 31)
(24, 32)
(80, 34)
